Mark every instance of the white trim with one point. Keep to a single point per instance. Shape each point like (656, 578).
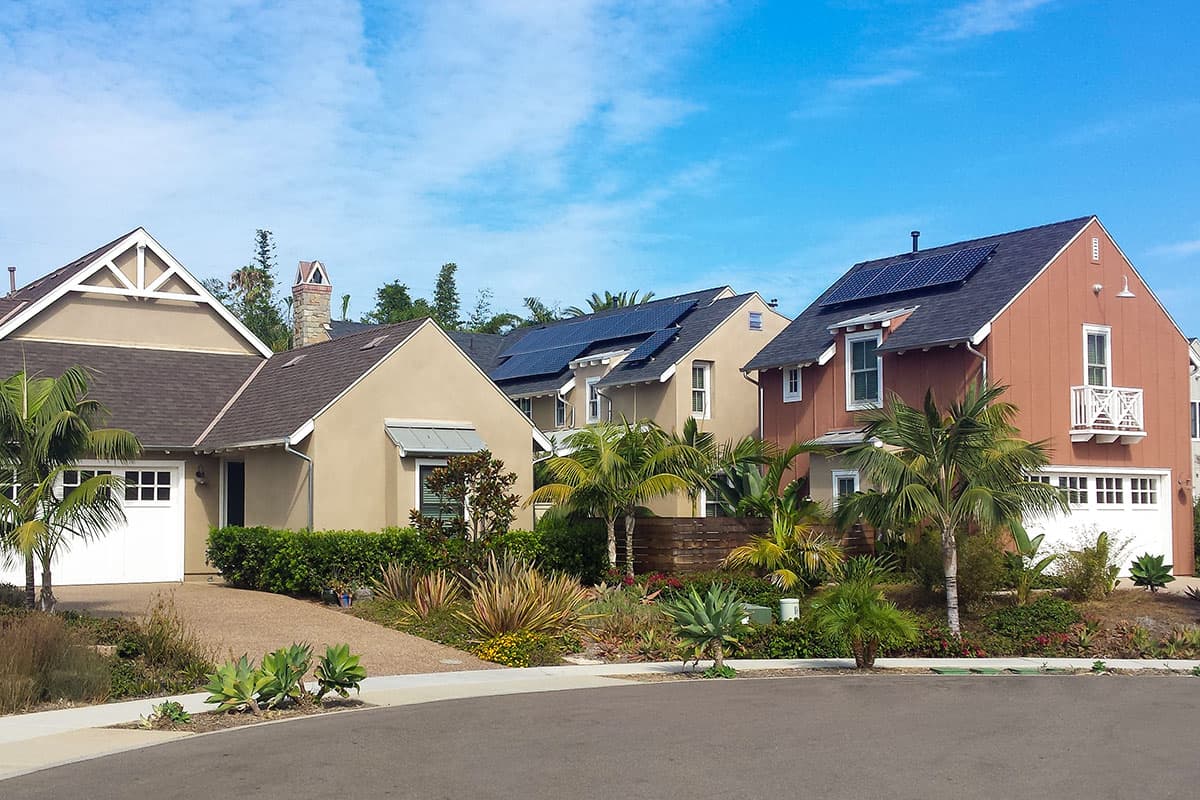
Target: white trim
(981, 334)
(668, 373)
(587, 400)
(839, 474)
(851, 340)
(599, 359)
(423, 462)
(1105, 331)
(1118, 471)
(223, 479)
(568, 386)
(706, 368)
(828, 355)
(161, 279)
(798, 395)
(301, 433)
(137, 237)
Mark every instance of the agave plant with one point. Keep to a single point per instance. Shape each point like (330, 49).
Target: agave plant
(235, 686)
(510, 595)
(339, 672)
(708, 623)
(1022, 563)
(1150, 572)
(285, 670)
(1192, 593)
(858, 612)
(792, 553)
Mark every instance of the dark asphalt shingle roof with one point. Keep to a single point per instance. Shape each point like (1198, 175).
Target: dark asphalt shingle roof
(281, 398)
(944, 314)
(165, 397)
(344, 327)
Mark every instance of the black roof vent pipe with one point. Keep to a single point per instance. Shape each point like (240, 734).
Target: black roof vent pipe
(916, 235)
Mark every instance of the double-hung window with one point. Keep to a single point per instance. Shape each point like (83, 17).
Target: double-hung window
(560, 411)
(1097, 346)
(701, 389)
(864, 371)
(526, 406)
(593, 400)
(791, 385)
(845, 483)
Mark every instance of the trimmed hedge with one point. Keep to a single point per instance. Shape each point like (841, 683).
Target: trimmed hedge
(575, 546)
(303, 562)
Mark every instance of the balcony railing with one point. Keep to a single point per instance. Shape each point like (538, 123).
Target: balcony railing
(1107, 414)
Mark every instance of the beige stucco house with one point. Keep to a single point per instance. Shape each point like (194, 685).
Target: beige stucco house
(668, 360)
(333, 434)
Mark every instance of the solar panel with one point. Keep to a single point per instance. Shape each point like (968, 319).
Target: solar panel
(657, 341)
(540, 362)
(901, 276)
(636, 321)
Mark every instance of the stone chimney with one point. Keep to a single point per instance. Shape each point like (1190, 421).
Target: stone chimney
(310, 304)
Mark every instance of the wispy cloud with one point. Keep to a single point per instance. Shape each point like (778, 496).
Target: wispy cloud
(1182, 249)
(986, 17)
(384, 141)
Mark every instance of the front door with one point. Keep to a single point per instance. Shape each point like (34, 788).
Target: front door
(235, 493)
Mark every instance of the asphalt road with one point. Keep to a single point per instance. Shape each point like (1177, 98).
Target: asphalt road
(811, 737)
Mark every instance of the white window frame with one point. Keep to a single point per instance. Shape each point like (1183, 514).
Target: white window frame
(841, 474)
(593, 398)
(707, 371)
(790, 396)
(173, 483)
(1195, 422)
(1106, 332)
(526, 406)
(560, 411)
(755, 321)
(1085, 485)
(851, 339)
(1095, 249)
(424, 462)
(1153, 489)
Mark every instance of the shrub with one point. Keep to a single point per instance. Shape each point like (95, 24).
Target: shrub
(521, 649)
(527, 545)
(168, 643)
(708, 623)
(857, 612)
(574, 546)
(474, 481)
(1024, 565)
(1150, 572)
(1089, 570)
(934, 640)
(41, 659)
(166, 714)
(11, 596)
(396, 582)
(235, 686)
(751, 589)
(1024, 623)
(981, 565)
(797, 638)
(303, 562)
(510, 595)
(620, 621)
(793, 557)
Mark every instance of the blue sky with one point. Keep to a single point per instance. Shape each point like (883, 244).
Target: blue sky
(560, 148)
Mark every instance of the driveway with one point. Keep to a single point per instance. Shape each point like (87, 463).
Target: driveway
(859, 737)
(237, 621)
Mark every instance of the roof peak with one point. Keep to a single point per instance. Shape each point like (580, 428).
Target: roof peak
(965, 242)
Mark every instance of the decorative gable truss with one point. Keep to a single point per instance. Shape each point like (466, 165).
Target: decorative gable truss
(135, 267)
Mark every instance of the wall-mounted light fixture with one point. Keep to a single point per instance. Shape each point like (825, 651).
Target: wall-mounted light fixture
(201, 478)
(1097, 288)
(1125, 292)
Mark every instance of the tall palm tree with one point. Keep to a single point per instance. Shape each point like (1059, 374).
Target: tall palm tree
(48, 425)
(965, 469)
(612, 470)
(610, 301)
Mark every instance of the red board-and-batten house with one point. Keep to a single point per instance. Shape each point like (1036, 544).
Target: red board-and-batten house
(1095, 364)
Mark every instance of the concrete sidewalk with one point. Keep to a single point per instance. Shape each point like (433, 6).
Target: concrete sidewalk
(31, 742)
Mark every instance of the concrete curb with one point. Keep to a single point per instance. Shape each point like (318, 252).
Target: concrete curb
(58, 737)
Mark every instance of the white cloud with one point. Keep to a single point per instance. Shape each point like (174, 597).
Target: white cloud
(1176, 249)
(383, 141)
(986, 17)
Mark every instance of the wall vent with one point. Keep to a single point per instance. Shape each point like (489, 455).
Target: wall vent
(1095, 249)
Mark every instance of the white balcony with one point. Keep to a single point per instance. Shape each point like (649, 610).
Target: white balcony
(1107, 414)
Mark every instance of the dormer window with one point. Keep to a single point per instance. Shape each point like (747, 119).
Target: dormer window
(864, 371)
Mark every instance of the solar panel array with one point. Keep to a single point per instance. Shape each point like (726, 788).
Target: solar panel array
(549, 350)
(657, 341)
(908, 274)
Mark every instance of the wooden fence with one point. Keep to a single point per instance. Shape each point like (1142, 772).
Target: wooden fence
(689, 544)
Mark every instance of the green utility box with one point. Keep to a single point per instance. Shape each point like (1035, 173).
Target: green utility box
(757, 615)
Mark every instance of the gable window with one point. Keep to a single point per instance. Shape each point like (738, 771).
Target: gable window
(1075, 487)
(147, 486)
(791, 385)
(593, 400)
(1097, 355)
(560, 411)
(845, 483)
(1196, 421)
(526, 406)
(756, 320)
(1110, 491)
(701, 389)
(432, 504)
(864, 371)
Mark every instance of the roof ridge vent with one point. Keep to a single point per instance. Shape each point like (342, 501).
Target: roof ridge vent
(378, 340)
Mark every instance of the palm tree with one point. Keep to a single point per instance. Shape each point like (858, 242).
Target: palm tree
(610, 301)
(963, 470)
(792, 553)
(47, 425)
(719, 460)
(612, 470)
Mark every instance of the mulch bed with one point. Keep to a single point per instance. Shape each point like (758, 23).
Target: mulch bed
(219, 721)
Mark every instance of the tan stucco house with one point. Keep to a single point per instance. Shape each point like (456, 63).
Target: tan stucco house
(667, 360)
(332, 434)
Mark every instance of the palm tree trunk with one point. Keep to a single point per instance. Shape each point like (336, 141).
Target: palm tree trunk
(718, 654)
(30, 590)
(47, 600)
(610, 525)
(950, 565)
(629, 521)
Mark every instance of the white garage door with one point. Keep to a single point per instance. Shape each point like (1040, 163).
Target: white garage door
(1133, 506)
(147, 548)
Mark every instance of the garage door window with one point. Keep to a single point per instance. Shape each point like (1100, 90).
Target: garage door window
(1076, 488)
(147, 486)
(1110, 491)
(1143, 492)
(74, 478)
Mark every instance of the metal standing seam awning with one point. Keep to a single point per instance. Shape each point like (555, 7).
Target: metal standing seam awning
(422, 438)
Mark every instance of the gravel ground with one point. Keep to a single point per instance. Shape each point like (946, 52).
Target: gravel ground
(237, 621)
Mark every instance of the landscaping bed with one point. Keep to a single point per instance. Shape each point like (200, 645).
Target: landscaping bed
(695, 675)
(218, 721)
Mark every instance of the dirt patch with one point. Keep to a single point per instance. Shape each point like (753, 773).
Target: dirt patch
(219, 721)
(1160, 613)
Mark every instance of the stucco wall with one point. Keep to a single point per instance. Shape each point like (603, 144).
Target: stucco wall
(201, 511)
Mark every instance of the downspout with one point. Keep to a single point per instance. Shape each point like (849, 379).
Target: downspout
(982, 357)
(606, 397)
(746, 375)
(287, 446)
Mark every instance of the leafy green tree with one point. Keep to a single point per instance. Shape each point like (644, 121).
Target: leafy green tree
(476, 496)
(539, 312)
(251, 295)
(446, 309)
(610, 301)
(345, 307)
(965, 469)
(484, 320)
(47, 426)
(393, 303)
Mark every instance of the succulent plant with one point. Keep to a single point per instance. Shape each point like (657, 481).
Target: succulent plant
(1150, 572)
(708, 623)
